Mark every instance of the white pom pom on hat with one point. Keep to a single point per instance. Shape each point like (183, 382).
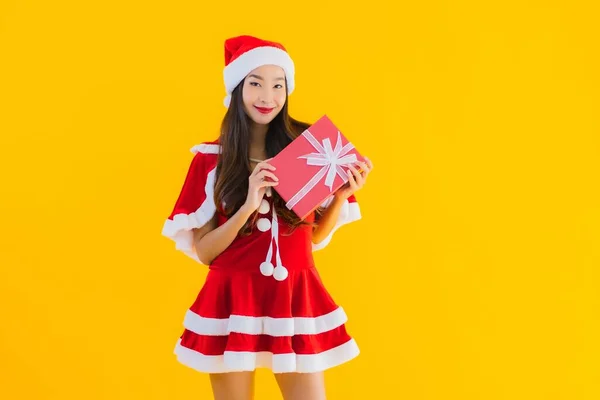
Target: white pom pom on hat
(245, 53)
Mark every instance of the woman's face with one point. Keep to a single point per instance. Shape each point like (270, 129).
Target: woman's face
(264, 93)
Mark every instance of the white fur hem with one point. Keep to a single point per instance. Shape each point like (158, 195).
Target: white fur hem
(350, 212)
(237, 70)
(264, 325)
(232, 361)
(179, 229)
(206, 148)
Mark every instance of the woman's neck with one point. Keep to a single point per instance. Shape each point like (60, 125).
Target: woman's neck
(258, 135)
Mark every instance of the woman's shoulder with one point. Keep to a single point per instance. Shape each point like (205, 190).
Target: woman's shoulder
(208, 147)
(206, 152)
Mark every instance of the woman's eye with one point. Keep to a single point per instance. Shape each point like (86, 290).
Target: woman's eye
(278, 86)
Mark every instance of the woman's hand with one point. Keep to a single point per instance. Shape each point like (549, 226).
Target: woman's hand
(356, 180)
(257, 185)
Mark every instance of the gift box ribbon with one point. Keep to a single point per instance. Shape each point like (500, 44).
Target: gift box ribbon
(331, 161)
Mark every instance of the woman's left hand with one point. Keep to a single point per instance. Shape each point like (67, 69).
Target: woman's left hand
(356, 180)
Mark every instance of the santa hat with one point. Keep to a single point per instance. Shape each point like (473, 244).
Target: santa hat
(245, 53)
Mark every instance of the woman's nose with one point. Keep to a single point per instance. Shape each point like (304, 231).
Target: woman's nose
(266, 96)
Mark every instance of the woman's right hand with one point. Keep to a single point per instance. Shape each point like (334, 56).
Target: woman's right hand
(257, 185)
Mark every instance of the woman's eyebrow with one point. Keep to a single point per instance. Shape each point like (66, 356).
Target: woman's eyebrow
(261, 78)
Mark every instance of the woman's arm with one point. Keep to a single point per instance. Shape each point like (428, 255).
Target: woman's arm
(356, 180)
(210, 240)
(328, 219)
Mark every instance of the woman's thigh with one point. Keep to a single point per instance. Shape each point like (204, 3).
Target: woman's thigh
(302, 386)
(233, 385)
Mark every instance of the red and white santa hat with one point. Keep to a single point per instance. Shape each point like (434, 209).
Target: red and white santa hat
(245, 53)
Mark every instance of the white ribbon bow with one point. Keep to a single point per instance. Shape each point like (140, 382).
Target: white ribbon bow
(331, 160)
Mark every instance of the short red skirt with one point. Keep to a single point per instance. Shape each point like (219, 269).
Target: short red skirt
(243, 320)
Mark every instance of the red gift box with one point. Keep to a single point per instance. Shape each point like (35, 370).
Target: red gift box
(313, 166)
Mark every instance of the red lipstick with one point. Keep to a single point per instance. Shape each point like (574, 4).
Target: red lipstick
(264, 110)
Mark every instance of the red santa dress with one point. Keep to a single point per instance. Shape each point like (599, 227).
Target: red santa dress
(263, 304)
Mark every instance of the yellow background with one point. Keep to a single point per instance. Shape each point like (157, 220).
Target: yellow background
(473, 273)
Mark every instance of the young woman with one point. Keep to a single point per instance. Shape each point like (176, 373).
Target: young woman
(263, 303)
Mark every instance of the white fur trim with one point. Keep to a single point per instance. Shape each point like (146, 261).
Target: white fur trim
(264, 325)
(350, 212)
(237, 70)
(232, 361)
(206, 148)
(179, 229)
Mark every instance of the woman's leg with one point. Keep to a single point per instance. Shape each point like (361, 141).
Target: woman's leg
(301, 386)
(233, 385)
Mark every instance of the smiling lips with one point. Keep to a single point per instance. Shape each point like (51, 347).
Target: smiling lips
(264, 110)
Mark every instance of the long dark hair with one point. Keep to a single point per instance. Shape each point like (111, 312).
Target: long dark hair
(233, 165)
